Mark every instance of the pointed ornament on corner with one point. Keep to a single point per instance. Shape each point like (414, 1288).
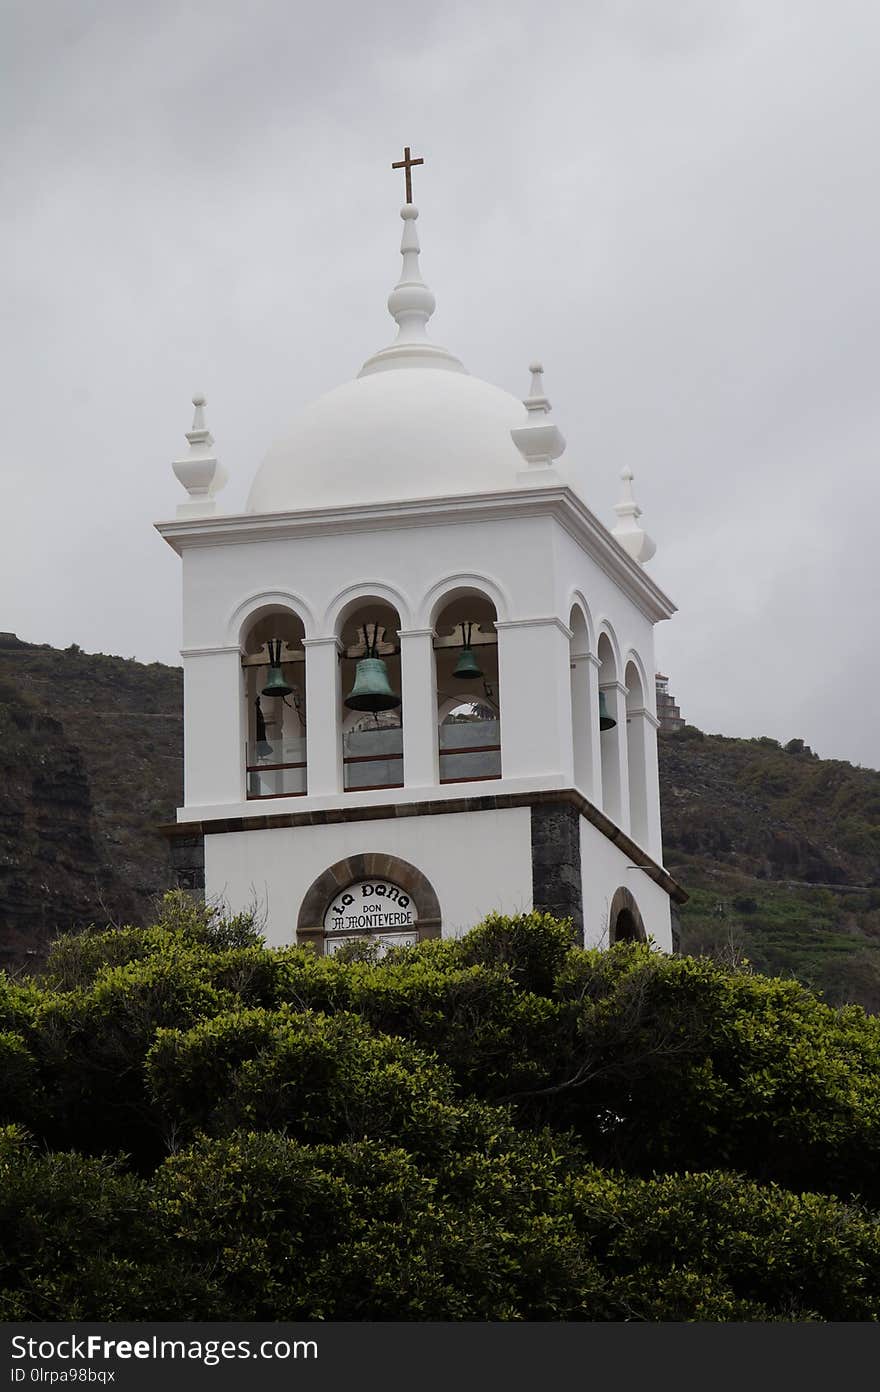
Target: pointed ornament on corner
(633, 538)
(199, 471)
(539, 441)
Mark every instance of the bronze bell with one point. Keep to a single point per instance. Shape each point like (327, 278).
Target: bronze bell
(372, 689)
(606, 721)
(467, 668)
(275, 684)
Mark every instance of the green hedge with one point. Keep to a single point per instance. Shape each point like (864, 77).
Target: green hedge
(499, 1127)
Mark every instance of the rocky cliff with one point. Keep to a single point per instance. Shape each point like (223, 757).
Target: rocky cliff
(779, 850)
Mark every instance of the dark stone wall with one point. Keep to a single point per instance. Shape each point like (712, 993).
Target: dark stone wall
(556, 862)
(188, 862)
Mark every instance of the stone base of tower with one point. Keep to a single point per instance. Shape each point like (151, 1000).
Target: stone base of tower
(448, 863)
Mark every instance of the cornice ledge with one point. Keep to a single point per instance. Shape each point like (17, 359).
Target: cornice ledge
(557, 500)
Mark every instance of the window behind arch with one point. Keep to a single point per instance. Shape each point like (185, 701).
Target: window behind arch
(470, 743)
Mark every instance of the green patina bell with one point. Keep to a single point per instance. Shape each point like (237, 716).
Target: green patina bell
(467, 668)
(606, 721)
(372, 689)
(275, 684)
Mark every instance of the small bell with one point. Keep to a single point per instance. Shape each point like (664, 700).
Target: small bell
(372, 689)
(264, 748)
(275, 684)
(606, 721)
(467, 668)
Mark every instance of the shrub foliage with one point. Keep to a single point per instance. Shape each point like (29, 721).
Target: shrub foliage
(500, 1127)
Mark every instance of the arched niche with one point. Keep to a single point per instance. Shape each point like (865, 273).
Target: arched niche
(468, 694)
(273, 657)
(625, 923)
(352, 873)
(367, 631)
(584, 712)
(610, 738)
(637, 771)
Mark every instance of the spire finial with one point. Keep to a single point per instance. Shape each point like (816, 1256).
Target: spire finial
(633, 538)
(411, 304)
(539, 441)
(199, 471)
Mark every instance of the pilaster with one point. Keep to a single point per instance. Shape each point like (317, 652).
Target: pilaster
(323, 697)
(214, 733)
(615, 767)
(419, 683)
(535, 690)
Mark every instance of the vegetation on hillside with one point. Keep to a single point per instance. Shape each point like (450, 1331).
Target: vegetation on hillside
(502, 1126)
(780, 854)
(779, 850)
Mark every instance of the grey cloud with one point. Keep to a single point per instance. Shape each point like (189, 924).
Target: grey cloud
(675, 205)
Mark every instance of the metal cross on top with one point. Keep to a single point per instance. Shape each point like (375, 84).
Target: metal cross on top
(407, 164)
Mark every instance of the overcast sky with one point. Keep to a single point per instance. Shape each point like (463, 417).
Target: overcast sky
(675, 203)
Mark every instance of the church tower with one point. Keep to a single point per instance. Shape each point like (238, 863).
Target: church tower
(418, 671)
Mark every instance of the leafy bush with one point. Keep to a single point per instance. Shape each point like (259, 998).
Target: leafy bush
(499, 1127)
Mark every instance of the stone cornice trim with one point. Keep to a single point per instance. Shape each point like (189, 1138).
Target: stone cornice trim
(416, 633)
(322, 642)
(648, 716)
(539, 622)
(554, 500)
(211, 651)
(438, 807)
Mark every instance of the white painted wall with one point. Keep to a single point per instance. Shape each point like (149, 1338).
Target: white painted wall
(477, 862)
(532, 568)
(605, 869)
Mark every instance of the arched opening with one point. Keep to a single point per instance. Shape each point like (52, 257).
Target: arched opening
(581, 705)
(610, 734)
(273, 665)
(468, 699)
(371, 714)
(370, 897)
(625, 922)
(636, 761)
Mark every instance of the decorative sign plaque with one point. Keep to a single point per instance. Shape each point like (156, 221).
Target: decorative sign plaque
(371, 908)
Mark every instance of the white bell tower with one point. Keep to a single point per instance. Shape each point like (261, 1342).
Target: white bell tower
(418, 671)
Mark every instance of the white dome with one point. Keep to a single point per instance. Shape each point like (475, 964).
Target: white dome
(413, 432)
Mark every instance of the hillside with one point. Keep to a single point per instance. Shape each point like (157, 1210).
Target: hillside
(779, 850)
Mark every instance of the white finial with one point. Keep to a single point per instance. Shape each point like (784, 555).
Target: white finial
(539, 441)
(631, 536)
(536, 400)
(199, 471)
(411, 304)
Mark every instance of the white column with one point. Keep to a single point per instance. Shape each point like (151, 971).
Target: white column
(214, 726)
(615, 772)
(585, 725)
(644, 781)
(534, 666)
(419, 691)
(323, 700)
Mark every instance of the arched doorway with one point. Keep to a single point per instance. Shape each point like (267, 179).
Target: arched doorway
(625, 922)
(370, 897)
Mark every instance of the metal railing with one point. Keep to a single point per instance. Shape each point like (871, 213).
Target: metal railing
(275, 773)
